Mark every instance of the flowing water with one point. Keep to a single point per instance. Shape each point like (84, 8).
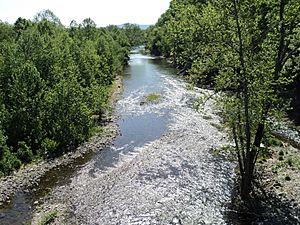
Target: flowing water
(161, 169)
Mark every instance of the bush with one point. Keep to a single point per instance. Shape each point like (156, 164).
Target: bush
(49, 218)
(24, 153)
(153, 97)
(48, 146)
(272, 141)
(9, 163)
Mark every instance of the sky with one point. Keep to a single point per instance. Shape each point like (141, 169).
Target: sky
(102, 12)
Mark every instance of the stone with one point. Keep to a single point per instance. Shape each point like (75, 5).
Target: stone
(176, 221)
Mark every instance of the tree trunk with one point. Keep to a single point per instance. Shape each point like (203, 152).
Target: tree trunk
(246, 186)
(247, 175)
(248, 162)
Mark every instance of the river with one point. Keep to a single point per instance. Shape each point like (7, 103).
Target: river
(161, 169)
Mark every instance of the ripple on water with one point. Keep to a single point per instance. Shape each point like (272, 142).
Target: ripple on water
(163, 179)
(175, 176)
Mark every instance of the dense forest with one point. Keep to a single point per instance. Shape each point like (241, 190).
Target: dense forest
(55, 83)
(248, 51)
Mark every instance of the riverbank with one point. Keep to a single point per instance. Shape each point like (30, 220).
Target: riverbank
(276, 196)
(29, 176)
(279, 186)
(172, 178)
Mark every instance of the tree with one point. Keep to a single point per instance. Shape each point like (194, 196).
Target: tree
(6, 32)
(8, 160)
(248, 50)
(47, 15)
(67, 117)
(21, 25)
(134, 34)
(53, 83)
(89, 29)
(23, 105)
(262, 38)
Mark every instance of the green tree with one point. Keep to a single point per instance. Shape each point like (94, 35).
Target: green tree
(25, 94)
(6, 32)
(134, 34)
(53, 81)
(21, 25)
(248, 50)
(8, 160)
(67, 118)
(47, 15)
(255, 68)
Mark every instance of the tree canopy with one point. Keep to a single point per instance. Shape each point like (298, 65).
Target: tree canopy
(247, 50)
(53, 81)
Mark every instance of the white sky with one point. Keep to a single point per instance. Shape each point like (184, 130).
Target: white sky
(103, 12)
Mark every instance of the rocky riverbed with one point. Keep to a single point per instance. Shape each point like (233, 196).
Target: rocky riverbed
(31, 179)
(176, 179)
(165, 167)
(28, 179)
(29, 176)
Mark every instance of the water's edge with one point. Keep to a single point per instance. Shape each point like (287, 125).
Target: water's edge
(23, 191)
(159, 170)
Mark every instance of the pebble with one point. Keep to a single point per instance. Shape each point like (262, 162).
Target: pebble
(176, 221)
(29, 177)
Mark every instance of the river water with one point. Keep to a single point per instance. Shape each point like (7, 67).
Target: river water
(161, 169)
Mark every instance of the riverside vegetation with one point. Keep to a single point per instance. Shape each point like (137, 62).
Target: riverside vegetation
(248, 51)
(55, 81)
(55, 84)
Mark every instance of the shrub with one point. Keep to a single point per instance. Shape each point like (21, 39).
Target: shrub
(24, 153)
(48, 146)
(9, 162)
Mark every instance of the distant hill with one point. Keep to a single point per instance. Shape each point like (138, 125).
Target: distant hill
(143, 27)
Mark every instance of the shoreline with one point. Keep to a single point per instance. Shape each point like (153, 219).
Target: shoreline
(276, 196)
(31, 174)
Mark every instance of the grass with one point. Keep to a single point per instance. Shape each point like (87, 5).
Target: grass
(97, 130)
(273, 141)
(49, 218)
(286, 161)
(153, 97)
(293, 162)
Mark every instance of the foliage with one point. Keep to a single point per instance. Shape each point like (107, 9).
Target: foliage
(53, 81)
(248, 50)
(49, 217)
(153, 97)
(24, 153)
(134, 34)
